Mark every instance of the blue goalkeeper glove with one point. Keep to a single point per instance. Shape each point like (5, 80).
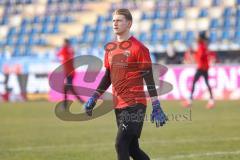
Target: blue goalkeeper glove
(158, 116)
(91, 103)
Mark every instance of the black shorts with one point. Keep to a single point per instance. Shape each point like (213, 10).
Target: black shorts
(200, 73)
(130, 119)
(69, 80)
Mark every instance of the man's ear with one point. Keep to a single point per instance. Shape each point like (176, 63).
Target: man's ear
(129, 24)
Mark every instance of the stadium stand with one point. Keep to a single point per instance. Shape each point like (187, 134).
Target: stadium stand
(27, 30)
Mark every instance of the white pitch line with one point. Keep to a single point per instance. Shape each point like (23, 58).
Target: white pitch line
(106, 145)
(192, 140)
(32, 148)
(194, 155)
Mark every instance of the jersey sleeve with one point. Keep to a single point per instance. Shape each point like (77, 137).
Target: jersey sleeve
(143, 58)
(71, 52)
(106, 61)
(60, 54)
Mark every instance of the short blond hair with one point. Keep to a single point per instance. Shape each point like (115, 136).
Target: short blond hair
(125, 12)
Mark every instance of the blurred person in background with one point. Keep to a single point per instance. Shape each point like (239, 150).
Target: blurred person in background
(66, 55)
(212, 57)
(171, 55)
(188, 57)
(5, 95)
(202, 60)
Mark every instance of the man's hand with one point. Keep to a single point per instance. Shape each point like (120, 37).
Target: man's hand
(91, 103)
(158, 116)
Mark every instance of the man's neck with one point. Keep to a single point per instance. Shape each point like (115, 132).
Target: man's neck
(123, 37)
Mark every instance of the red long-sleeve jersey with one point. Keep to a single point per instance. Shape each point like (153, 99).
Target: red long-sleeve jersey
(201, 56)
(66, 54)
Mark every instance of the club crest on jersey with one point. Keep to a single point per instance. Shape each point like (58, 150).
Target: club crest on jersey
(127, 53)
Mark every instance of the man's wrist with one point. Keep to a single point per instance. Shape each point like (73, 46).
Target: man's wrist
(155, 102)
(96, 95)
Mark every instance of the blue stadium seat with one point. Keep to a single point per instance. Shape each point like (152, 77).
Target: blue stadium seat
(71, 1)
(108, 29)
(238, 13)
(99, 28)
(144, 16)
(4, 20)
(237, 36)
(213, 37)
(100, 20)
(167, 24)
(55, 28)
(225, 35)
(86, 28)
(2, 44)
(36, 19)
(192, 3)
(16, 51)
(169, 14)
(28, 1)
(40, 41)
(107, 38)
(143, 37)
(57, 19)
(177, 36)
(68, 19)
(154, 38)
(227, 12)
(84, 38)
(46, 20)
(9, 41)
(20, 2)
(180, 4)
(226, 23)
(155, 27)
(165, 39)
(12, 31)
(214, 23)
(33, 31)
(74, 40)
(20, 40)
(22, 31)
(237, 25)
(238, 2)
(49, 2)
(156, 14)
(95, 42)
(27, 51)
(180, 13)
(30, 40)
(189, 39)
(113, 7)
(203, 12)
(44, 28)
(216, 2)
(24, 22)
(108, 18)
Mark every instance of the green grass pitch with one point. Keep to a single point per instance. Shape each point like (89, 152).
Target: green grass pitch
(31, 131)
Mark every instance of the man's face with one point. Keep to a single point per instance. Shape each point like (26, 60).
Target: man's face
(120, 24)
(65, 43)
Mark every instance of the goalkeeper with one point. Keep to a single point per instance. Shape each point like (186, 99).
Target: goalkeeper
(128, 63)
